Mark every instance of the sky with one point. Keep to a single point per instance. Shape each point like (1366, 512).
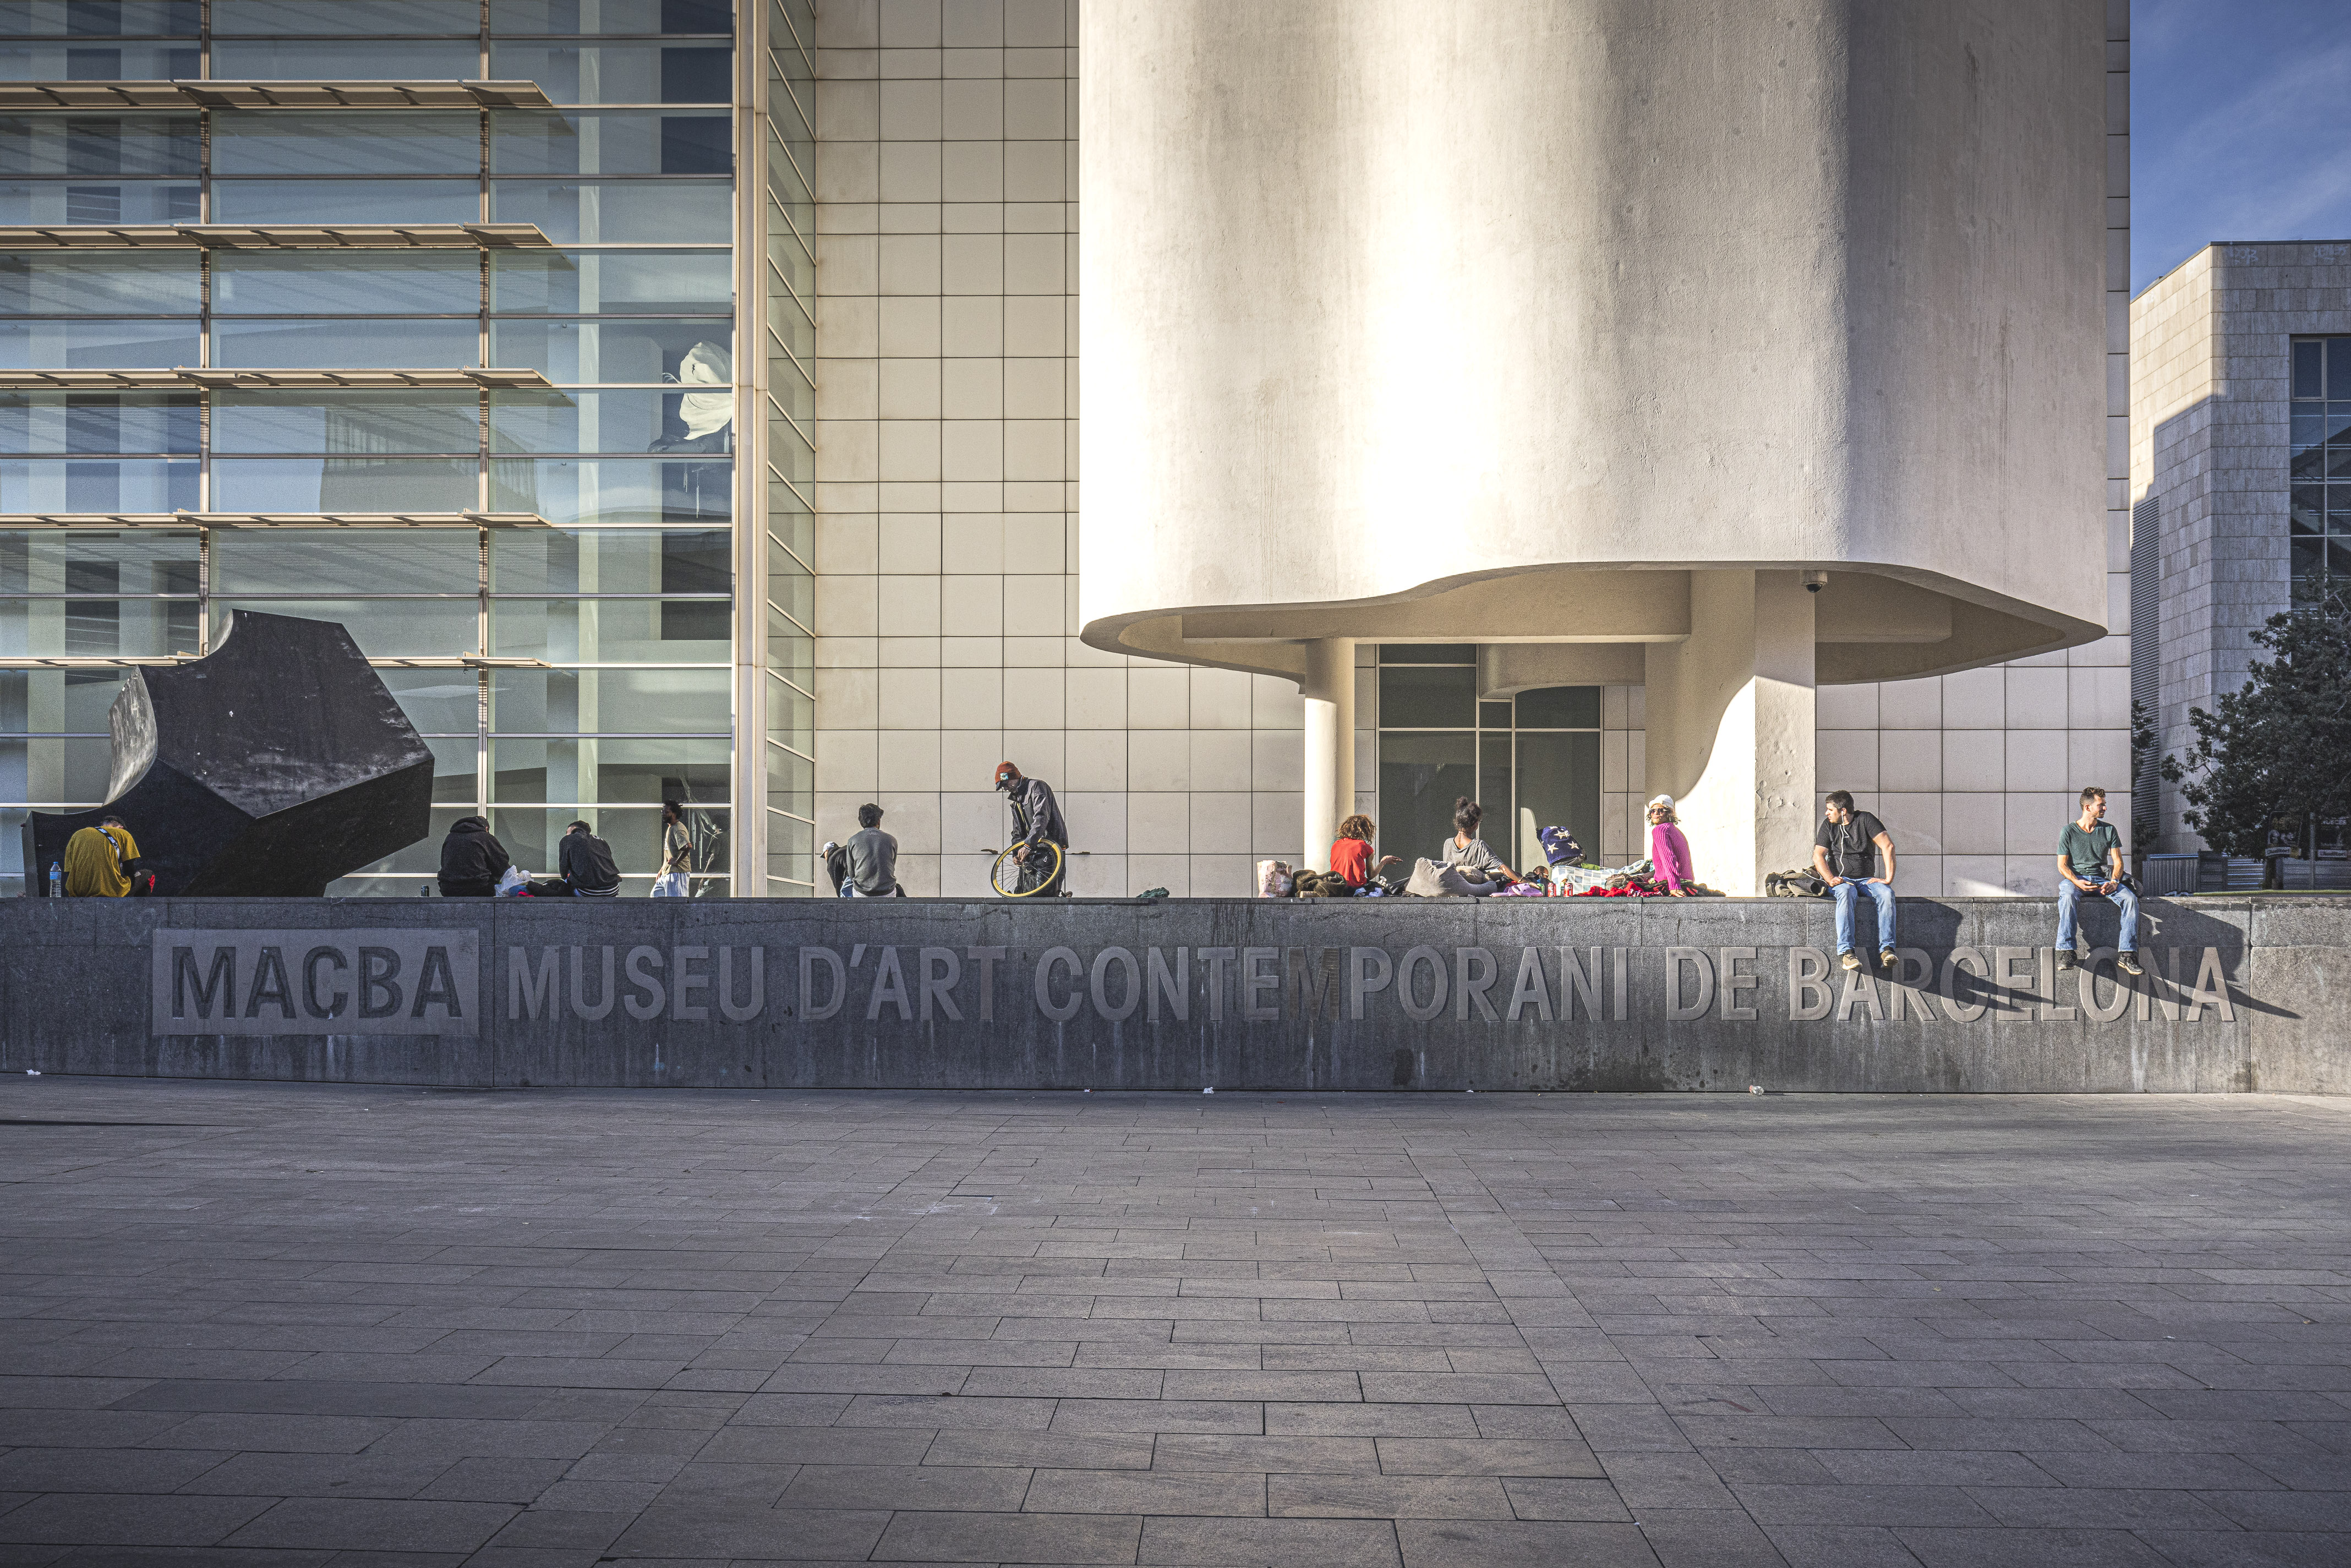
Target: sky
(2241, 125)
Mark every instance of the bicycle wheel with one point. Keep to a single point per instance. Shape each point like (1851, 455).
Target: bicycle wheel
(1039, 872)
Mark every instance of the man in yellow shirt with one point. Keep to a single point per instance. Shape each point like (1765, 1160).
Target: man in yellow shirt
(98, 860)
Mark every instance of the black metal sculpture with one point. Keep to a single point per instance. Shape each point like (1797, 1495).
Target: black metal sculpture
(267, 769)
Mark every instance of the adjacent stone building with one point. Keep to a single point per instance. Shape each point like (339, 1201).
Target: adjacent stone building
(2241, 477)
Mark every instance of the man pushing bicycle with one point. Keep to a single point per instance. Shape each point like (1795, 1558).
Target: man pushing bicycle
(1041, 839)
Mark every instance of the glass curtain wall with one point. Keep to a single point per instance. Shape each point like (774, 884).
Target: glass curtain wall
(582, 668)
(2320, 514)
(1533, 761)
(789, 279)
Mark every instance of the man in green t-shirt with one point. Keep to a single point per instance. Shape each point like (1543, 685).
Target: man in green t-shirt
(2090, 865)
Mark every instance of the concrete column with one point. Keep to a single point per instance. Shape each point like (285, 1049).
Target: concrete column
(1731, 714)
(1328, 688)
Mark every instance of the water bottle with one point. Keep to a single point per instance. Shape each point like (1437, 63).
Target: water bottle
(56, 880)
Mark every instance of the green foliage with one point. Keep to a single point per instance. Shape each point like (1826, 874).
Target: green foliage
(2280, 747)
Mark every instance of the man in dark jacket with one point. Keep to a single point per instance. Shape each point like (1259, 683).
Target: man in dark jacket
(472, 861)
(1036, 821)
(587, 864)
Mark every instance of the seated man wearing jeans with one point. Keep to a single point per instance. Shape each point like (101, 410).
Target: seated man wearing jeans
(2090, 865)
(1845, 853)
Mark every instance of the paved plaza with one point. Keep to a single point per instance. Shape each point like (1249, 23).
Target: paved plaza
(308, 1324)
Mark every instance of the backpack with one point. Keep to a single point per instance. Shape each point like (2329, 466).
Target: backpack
(1799, 882)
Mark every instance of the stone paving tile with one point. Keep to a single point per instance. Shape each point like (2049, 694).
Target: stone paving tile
(1049, 1328)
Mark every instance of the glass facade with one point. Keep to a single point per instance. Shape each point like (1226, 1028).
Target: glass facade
(575, 660)
(2319, 521)
(1533, 761)
(788, 283)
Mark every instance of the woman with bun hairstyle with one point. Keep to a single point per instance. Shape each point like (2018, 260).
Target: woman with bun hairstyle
(1467, 851)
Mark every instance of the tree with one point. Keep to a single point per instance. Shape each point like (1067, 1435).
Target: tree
(2280, 746)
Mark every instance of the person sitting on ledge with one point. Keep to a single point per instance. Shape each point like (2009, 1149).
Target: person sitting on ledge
(2090, 865)
(872, 859)
(1669, 850)
(472, 861)
(1469, 853)
(98, 861)
(1845, 853)
(1351, 855)
(587, 863)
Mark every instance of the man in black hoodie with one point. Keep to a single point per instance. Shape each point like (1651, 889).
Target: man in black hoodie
(588, 869)
(472, 861)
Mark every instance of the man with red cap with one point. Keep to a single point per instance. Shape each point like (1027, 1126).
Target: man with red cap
(1037, 820)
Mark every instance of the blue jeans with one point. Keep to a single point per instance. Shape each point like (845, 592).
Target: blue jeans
(2069, 905)
(1847, 895)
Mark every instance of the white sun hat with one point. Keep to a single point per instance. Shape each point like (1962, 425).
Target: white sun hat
(1658, 800)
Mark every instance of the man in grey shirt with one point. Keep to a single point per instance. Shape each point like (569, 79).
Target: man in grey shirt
(872, 859)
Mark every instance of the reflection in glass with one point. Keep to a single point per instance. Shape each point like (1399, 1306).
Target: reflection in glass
(648, 350)
(95, 62)
(100, 283)
(330, 16)
(100, 421)
(634, 702)
(345, 202)
(345, 485)
(345, 421)
(1430, 697)
(619, 211)
(1557, 786)
(620, 73)
(607, 630)
(612, 142)
(102, 146)
(347, 283)
(383, 628)
(47, 201)
(296, 561)
(615, 560)
(575, 17)
(637, 283)
(95, 628)
(112, 345)
(569, 492)
(346, 142)
(392, 344)
(126, 485)
(610, 770)
(439, 702)
(305, 60)
(1420, 777)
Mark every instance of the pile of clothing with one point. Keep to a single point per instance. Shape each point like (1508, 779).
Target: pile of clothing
(1565, 876)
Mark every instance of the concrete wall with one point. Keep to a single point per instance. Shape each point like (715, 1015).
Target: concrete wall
(1590, 288)
(1357, 994)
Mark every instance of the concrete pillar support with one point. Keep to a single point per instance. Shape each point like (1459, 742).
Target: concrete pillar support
(1730, 714)
(1328, 688)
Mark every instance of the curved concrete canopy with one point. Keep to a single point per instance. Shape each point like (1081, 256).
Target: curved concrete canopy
(1490, 322)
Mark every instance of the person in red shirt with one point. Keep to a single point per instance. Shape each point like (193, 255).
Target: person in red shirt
(1350, 856)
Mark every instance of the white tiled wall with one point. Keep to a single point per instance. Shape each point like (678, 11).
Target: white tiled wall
(946, 466)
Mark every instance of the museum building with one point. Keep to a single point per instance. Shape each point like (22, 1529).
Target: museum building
(682, 400)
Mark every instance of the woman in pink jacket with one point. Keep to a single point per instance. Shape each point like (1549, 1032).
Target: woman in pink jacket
(1669, 852)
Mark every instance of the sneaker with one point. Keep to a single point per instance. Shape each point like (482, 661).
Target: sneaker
(1885, 958)
(2064, 959)
(1848, 961)
(2128, 963)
